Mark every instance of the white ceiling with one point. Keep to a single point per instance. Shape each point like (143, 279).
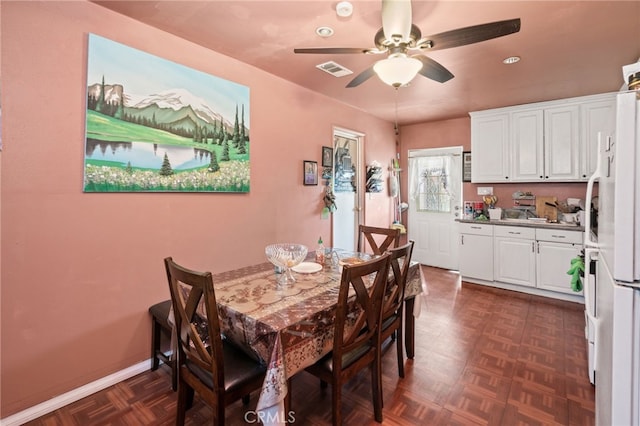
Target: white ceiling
(568, 48)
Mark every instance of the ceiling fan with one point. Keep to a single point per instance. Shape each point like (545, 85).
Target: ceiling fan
(399, 37)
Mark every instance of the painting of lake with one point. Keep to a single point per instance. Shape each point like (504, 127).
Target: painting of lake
(153, 125)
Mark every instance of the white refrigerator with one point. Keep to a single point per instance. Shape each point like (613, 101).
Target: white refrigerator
(612, 295)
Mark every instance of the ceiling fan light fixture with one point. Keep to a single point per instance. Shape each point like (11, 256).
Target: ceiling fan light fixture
(324, 31)
(397, 71)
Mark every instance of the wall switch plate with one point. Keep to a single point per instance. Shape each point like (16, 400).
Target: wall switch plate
(485, 190)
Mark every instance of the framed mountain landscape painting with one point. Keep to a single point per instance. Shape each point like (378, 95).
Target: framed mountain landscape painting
(153, 125)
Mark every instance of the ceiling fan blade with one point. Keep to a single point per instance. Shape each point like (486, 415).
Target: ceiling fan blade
(332, 50)
(396, 19)
(433, 70)
(473, 34)
(362, 77)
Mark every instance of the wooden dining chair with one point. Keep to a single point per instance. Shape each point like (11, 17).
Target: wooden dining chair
(393, 307)
(356, 339)
(379, 239)
(206, 363)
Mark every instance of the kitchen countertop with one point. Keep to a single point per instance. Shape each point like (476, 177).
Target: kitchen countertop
(525, 223)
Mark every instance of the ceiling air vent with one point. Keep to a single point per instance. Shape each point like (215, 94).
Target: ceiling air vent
(334, 69)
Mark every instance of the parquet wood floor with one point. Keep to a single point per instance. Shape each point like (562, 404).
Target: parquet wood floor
(483, 357)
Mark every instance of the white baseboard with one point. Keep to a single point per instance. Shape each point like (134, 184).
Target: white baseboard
(74, 395)
(528, 290)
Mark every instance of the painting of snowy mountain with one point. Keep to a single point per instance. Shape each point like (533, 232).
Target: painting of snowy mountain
(157, 126)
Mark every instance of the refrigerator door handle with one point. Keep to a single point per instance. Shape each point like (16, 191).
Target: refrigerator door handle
(589, 255)
(588, 241)
(589, 293)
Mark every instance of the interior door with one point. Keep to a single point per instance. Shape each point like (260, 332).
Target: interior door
(346, 188)
(435, 197)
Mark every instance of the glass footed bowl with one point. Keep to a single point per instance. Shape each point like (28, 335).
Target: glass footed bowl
(286, 256)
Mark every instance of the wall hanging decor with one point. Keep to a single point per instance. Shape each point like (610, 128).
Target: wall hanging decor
(310, 170)
(327, 162)
(327, 156)
(153, 125)
(374, 177)
(329, 199)
(466, 166)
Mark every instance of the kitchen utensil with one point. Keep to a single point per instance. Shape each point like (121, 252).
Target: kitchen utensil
(286, 256)
(538, 219)
(512, 213)
(564, 207)
(307, 268)
(490, 200)
(547, 206)
(495, 213)
(570, 218)
(575, 202)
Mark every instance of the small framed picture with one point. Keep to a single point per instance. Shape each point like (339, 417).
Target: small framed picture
(327, 156)
(310, 170)
(466, 166)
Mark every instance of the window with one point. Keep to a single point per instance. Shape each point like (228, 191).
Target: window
(434, 194)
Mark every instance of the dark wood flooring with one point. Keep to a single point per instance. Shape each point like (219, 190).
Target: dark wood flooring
(483, 357)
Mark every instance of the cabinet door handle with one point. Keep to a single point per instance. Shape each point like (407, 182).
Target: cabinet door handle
(476, 227)
(461, 239)
(514, 233)
(558, 236)
(533, 247)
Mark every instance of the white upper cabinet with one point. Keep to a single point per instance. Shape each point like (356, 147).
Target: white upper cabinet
(553, 141)
(489, 142)
(527, 146)
(561, 143)
(596, 117)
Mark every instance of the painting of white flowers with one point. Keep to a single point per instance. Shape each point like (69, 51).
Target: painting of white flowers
(157, 126)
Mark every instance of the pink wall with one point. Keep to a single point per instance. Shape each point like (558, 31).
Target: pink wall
(80, 270)
(457, 132)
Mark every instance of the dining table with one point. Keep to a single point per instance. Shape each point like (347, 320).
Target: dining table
(290, 326)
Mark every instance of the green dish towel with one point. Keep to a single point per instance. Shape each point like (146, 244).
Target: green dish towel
(576, 271)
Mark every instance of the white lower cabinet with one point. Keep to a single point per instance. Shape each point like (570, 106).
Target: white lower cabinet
(554, 252)
(476, 251)
(534, 258)
(514, 255)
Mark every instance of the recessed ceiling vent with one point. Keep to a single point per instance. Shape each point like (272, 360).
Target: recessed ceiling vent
(334, 69)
